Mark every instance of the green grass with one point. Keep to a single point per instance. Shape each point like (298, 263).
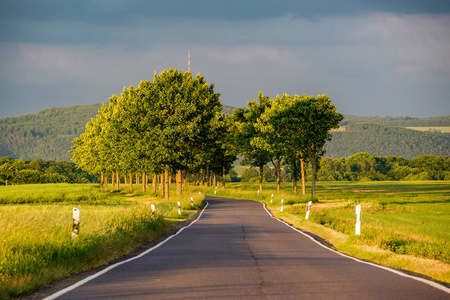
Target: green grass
(36, 246)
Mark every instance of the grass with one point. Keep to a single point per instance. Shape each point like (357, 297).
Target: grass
(442, 129)
(36, 246)
(405, 225)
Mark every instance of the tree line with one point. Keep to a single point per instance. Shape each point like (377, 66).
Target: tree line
(17, 171)
(173, 126)
(365, 167)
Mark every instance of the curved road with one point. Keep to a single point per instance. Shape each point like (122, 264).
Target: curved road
(237, 250)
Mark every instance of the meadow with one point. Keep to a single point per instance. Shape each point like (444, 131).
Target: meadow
(405, 225)
(36, 246)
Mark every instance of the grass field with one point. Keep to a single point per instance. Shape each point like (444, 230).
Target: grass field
(36, 246)
(442, 129)
(405, 225)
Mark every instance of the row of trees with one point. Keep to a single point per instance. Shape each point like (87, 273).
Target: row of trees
(364, 167)
(287, 130)
(171, 126)
(40, 171)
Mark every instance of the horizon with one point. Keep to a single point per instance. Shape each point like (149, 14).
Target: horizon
(387, 58)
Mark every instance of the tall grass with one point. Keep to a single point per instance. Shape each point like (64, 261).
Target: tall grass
(36, 246)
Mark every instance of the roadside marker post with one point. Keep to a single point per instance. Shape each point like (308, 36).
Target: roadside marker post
(76, 222)
(215, 190)
(358, 220)
(271, 199)
(192, 202)
(282, 202)
(179, 208)
(309, 208)
(153, 209)
(258, 192)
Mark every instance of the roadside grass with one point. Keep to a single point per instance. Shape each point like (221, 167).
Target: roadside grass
(405, 225)
(36, 246)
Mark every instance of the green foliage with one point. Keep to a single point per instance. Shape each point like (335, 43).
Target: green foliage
(46, 135)
(40, 171)
(386, 140)
(364, 167)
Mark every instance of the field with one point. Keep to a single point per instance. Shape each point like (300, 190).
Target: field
(405, 225)
(36, 246)
(441, 129)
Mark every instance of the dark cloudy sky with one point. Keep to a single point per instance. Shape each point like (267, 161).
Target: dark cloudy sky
(382, 57)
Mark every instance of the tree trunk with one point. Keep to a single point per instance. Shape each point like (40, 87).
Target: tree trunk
(106, 182)
(137, 179)
(144, 183)
(261, 171)
(277, 166)
(163, 182)
(101, 179)
(118, 180)
(154, 183)
(130, 179)
(313, 183)
(6, 182)
(113, 180)
(178, 180)
(208, 181)
(187, 179)
(294, 184)
(214, 180)
(224, 177)
(166, 195)
(302, 170)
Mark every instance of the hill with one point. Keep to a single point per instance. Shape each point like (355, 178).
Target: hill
(48, 135)
(385, 140)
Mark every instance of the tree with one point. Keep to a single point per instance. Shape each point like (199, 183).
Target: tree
(299, 126)
(245, 131)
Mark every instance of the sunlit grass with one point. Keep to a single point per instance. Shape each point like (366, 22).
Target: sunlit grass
(36, 246)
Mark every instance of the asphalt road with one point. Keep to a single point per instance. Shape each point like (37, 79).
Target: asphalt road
(237, 250)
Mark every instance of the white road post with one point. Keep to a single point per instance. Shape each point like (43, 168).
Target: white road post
(192, 202)
(282, 202)
(258, 192)
(153, 209)
(309, 208)
(358, 220)
(215, 190)
(271, 199)
(179, 208)
(76, 222)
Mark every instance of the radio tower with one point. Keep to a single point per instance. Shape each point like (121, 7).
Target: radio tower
(189, 60)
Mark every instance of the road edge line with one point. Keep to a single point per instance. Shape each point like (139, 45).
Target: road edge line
(87, 279)
(426, 281)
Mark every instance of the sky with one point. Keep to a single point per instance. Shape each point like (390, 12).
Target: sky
(381, 57)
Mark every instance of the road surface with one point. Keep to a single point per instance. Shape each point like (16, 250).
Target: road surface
(237, 250)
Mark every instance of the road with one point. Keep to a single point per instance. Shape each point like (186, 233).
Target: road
(237, 250)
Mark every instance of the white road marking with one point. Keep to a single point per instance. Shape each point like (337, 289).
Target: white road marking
(87, 279)
(426, 281)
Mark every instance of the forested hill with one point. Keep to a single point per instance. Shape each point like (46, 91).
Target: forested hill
(48, 135)
(384, 140)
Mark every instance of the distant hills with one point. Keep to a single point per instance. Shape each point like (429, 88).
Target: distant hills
(48, 134)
